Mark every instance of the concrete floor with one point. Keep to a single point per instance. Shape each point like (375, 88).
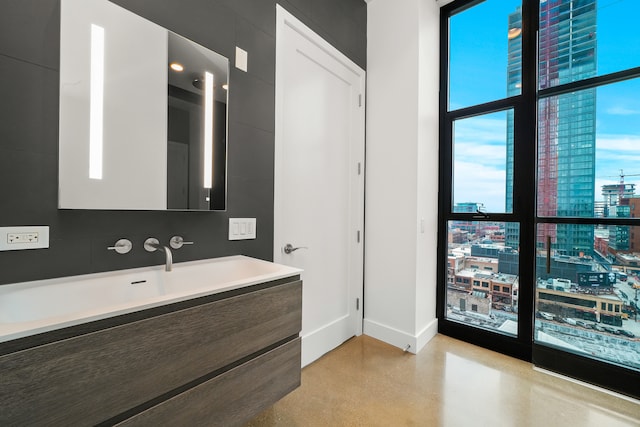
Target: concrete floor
(366, 382)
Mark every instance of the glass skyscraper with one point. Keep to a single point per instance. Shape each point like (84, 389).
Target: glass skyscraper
(566, 123)
(514, 87)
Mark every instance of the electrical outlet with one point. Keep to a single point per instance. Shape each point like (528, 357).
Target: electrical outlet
(18, 238)
(27, 237)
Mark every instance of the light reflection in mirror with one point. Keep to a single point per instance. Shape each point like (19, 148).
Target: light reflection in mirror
(96, 107)
(208, 129)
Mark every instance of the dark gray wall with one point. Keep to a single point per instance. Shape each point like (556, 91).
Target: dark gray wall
(29, 57)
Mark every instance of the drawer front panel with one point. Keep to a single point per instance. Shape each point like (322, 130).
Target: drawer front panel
(90, 378)
(232, 398)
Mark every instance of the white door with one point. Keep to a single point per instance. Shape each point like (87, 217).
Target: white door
(319, 182)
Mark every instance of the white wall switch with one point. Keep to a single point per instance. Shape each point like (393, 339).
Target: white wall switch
(27, 237)
(242, 58)
(242, 228)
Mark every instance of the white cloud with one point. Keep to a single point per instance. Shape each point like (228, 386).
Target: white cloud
(481, 141)
(485, 154)
(618, 142)
(479, 130)
(480, 161)
(618, 161)
(622, 111)
(474, 182)
(615, 152)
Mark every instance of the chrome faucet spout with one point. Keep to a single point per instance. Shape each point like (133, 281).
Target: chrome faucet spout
(152, 245)
(169, 258)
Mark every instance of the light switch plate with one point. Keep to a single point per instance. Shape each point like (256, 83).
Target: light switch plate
(242, 58)
(24, 237)
(242, 228)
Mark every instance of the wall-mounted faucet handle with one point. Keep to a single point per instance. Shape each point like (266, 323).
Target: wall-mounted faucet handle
(122, 246)
(177, 242)
(151, 244)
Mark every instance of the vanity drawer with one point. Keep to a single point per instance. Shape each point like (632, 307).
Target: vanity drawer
(90, 378)
(233, 398)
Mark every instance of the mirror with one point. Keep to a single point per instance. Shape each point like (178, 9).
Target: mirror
(143, 114)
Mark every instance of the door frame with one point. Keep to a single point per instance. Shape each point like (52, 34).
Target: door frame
(356, 250)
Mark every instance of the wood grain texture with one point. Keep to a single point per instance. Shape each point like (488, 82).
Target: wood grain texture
(90, 378)
(232, 398)
(31, 341)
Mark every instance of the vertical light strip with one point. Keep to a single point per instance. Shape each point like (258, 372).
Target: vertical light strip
(96, 102)
(208, 129)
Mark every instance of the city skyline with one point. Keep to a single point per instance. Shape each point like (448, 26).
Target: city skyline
(584, 274)
(617, 110)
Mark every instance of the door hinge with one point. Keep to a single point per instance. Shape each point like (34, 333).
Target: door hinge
(358, 236)
(359, 168)
(357, 304)
(360, 100)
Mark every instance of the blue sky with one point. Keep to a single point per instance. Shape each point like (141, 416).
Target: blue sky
(478, 68)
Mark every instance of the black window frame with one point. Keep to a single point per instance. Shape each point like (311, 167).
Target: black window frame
(525, 107)
(519, 346)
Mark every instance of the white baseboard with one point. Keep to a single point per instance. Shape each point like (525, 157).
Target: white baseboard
(401, 339)
(426, 334)
(321, 341)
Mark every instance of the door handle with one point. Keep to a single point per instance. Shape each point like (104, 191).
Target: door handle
(548, 255)
(288, 248)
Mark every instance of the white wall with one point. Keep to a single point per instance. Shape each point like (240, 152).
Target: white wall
(402, 177)
(428, 142)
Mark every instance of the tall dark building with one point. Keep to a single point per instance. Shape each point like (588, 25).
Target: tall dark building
(514, 87)
(566, 123)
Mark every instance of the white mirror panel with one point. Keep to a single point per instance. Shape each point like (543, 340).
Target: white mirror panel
(113, 108)
(143, 114)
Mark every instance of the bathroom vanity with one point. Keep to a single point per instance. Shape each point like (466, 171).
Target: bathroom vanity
(219, 358)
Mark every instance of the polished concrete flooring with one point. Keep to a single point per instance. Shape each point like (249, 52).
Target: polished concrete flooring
(366, 383)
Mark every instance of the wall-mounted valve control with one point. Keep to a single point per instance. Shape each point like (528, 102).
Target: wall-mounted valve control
(122, 246)
(177, 242)
(151, 244)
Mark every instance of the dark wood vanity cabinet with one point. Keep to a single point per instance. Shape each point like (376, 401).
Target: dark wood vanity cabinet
(217, 360)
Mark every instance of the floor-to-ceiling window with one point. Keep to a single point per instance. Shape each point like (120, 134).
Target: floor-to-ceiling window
(540, 155)
(484, 216)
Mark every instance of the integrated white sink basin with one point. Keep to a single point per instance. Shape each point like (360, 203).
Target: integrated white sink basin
(29, 308)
